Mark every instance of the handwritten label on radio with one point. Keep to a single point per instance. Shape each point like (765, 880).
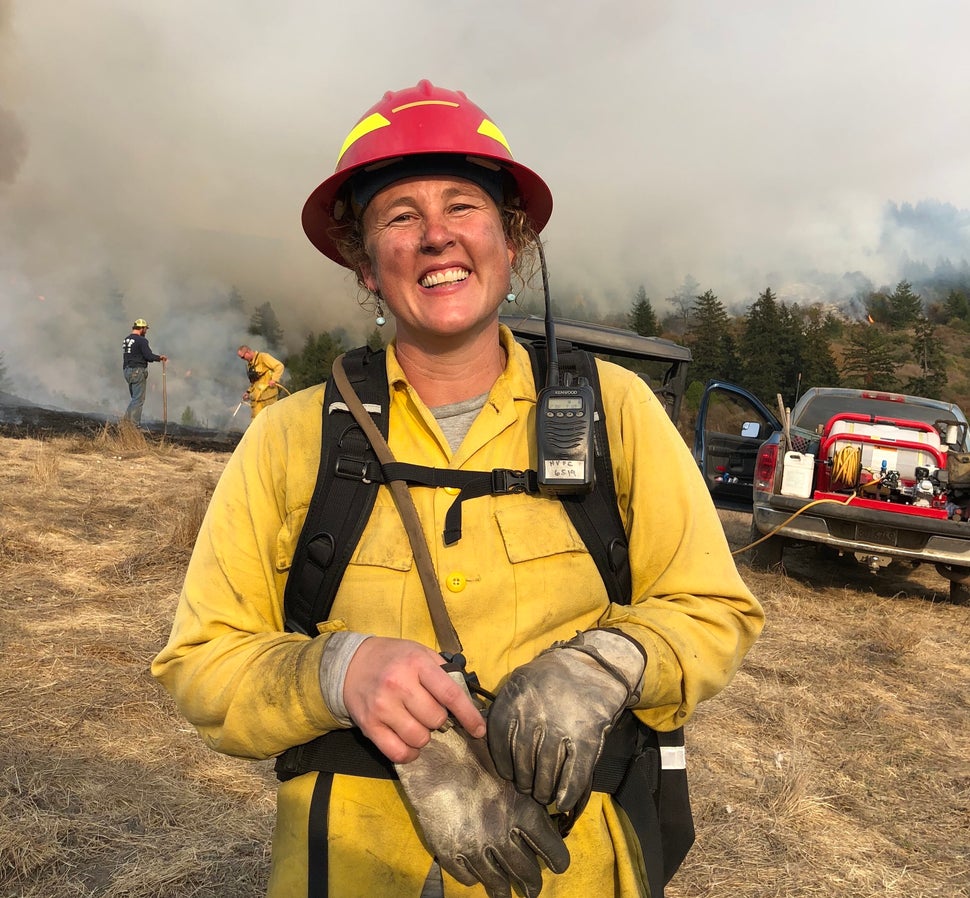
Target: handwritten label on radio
(565, 469)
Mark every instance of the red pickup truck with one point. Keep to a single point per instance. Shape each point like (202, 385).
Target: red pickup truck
(881, 477)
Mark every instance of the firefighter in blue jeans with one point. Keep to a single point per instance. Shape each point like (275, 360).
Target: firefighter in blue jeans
(137, 355)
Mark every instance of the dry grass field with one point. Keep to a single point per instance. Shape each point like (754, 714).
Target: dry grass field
(837, 763)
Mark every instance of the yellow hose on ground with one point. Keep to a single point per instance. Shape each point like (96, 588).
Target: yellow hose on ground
(792, 517)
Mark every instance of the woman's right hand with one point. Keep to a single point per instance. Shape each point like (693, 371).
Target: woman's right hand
(397, 693)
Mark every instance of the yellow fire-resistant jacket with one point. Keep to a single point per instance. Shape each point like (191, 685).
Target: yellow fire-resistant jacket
(519, 579)
(264, 368)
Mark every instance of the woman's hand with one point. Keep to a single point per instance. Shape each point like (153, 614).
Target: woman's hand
(397, 693)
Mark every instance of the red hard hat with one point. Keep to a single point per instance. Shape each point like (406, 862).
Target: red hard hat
(418, 121)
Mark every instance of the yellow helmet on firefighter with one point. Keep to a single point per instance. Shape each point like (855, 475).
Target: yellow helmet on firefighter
(140, 322)
(415, 131)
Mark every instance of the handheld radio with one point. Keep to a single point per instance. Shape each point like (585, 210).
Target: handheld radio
(564, 420)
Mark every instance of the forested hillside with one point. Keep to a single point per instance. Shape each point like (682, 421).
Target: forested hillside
(894, 340)
(911, 338)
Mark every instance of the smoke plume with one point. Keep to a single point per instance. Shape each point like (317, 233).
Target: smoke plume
(153, 157)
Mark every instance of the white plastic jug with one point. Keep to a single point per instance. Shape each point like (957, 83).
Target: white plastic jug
(798, 475)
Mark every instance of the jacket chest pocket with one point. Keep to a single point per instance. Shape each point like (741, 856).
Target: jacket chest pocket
(537, 530)
(555, 579)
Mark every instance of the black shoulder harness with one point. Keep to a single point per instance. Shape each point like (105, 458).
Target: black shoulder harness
(350, 475)
(344, 496)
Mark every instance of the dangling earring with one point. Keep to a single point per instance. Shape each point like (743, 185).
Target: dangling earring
(380, 320)
(510, 297)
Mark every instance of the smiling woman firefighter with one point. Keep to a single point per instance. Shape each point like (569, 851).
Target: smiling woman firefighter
(437, 583)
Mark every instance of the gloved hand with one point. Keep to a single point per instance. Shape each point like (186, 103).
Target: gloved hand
(548, 723)
(478, 826)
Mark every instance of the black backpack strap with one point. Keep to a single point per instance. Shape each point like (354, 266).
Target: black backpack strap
(673, 802)
(344, 496)
(664, 826)
(657, 768)
(595, 515)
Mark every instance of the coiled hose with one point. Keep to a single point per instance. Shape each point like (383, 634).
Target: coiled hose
(846, 466)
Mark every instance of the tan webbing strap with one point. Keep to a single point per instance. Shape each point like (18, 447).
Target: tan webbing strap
(448, 639)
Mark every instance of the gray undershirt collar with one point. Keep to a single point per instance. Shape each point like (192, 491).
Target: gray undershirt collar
(456, 418)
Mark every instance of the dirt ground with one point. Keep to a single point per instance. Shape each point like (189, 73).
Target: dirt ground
(836, 764)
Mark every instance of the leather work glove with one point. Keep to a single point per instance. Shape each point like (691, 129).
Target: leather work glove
(478, 826)
(549, 721)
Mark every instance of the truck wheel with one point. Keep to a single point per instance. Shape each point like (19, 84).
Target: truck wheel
(767, 554)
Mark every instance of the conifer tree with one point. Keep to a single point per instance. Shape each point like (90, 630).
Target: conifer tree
(818, 368)
(791, 349)
(761, 362)
(870, 359)
(928, 353)
(710, 339)
(312, 365)
(642, 318)
(957, 306)
(905, 306)
(264, 323)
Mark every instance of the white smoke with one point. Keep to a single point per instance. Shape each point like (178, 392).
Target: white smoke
(164, 152)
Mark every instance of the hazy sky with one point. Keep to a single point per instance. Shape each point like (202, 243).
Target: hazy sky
(168, 148)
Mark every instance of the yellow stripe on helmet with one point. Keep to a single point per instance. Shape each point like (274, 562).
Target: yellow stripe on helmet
(425, 103)
(362, 128)
(490, 129)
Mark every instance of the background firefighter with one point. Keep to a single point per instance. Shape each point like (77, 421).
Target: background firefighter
(430, 210)
(136, 354)
(264, 374)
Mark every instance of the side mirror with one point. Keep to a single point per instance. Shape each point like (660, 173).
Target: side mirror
(751, 429)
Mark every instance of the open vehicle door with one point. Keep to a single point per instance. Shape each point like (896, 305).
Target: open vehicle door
(731, 426)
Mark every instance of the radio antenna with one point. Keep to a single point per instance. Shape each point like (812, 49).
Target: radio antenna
(552, 352)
